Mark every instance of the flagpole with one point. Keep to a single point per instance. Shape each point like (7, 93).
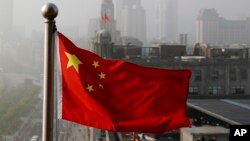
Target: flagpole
(49, 12)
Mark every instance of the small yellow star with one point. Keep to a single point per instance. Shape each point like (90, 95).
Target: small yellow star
(90, 88)
(100, 85)
(102, 75)
(95, 64)
(73, 61)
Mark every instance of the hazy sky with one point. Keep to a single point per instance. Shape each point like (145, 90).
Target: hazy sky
(27, 13)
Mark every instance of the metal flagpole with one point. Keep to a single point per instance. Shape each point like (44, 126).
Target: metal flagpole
(49, 12)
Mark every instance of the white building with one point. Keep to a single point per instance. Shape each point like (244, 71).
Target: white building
(213, 29)
(165, 22)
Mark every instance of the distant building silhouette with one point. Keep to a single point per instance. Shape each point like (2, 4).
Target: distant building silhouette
(183, 39)
(118, 9)
(165, 22)
(133, 20)
(102, 44)
(107, 20)
(213, 29)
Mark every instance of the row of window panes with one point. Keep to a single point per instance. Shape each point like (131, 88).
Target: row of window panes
(243, 75)
(216, 90)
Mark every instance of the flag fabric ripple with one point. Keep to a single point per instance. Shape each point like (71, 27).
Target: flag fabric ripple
(120, 96)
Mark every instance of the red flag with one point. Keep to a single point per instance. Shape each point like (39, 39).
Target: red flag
(119, 96)
(105, 17)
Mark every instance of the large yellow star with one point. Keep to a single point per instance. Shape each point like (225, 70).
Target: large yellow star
(90, 88)
(73, 61)
(95, 64)
(102, 75)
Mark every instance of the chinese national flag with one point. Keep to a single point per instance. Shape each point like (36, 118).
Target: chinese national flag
(105, 17)
(120, 96)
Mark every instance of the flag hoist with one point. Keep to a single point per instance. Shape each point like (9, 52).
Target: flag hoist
(49, 12)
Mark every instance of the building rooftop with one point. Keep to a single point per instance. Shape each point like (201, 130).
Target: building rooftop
(233, 111)
(206, 130)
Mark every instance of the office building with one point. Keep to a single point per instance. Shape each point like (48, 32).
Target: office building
(133, 20)
(107, 20)
(213, 29)
(165, 22)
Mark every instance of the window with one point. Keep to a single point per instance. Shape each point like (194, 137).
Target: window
(193, 90)
(232, 74)
(197, 75)
(238, 90)
(214, 90)
(214, 75)
(243, 74)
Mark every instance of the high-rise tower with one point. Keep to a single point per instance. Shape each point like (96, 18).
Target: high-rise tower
(118, 10)
(133, 20)
(165, 26)
(107, 20)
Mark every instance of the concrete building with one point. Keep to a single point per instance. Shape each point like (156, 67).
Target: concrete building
(109, 23)
(204, 133)
(171, 51)
(183, 39)
(118, 9)
(165, 22)
(222, 52)
(210, 77)
(133, 20)
(219, 78)
(102, 44)
(213, 29)
(202, 50)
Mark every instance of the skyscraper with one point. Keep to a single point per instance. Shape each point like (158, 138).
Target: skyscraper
(165, 22)
(107, 20)
(133, 20)
(6, 14)
(118, 9)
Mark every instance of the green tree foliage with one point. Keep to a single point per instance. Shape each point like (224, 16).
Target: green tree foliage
(17, 103)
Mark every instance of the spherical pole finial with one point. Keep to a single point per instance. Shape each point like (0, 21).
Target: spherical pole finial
(49, 11)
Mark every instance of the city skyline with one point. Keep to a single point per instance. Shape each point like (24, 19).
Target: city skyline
(84, 10)
(218, 93)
